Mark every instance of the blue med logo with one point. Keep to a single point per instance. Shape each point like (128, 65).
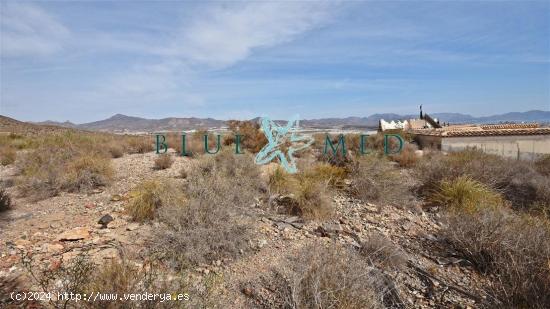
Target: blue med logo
(282, 143)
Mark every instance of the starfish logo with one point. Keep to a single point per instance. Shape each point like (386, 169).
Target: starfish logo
(283, 142)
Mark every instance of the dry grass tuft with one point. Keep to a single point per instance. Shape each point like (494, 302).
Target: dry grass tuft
(311, 199)
(465, 194)
(151, 195)
(5, 200)
(7, 155)
(163, 161)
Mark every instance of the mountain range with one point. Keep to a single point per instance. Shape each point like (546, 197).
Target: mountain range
(123, 123)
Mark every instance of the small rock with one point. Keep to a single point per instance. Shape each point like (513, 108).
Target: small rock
(52, 247)
(132, 226)
(262, 243)
(116, 198)
(90, 206)
(105, 220)
(78, 233)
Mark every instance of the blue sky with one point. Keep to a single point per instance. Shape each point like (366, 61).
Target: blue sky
(84, 61)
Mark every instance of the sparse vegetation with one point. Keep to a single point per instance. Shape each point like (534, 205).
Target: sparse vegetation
(210, 226)
(336, 277)
(517, 181)
(5, 200)
(7, 155)
(139, 144)
(515, 249)
(163, 161)
(543, 165)
(382, 253)
(407, 157)
(151, 195)
(253, 139)
(376, 180)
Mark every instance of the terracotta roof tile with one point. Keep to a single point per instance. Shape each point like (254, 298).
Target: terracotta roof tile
(478, 132)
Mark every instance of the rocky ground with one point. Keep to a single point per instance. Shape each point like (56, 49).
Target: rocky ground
(61, 227)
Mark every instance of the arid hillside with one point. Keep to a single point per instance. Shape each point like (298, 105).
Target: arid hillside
(97, 215)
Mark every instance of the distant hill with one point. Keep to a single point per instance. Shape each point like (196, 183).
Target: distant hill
(123, 123)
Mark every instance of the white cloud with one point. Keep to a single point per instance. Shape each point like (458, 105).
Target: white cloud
(28, 30)
(218, 36)
(223, 35)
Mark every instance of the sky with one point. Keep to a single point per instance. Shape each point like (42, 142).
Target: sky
(84, 61)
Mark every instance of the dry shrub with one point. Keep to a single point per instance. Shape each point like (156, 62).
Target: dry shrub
(66, 277)
(151, 195)
(514, 249)
(81, 275)
(115, 150)
(163, 161)
(280, 181)
(518, 181)
(7, 155)
(381, 252)
(211, 226)
(336, 277)
(5, 200)
(68, 161)
(310, 199)
(139, 144)
(122, 277)
(377, 180)
(305, 194)
(465, 194)
(333, 175)
(543, 165)
(87, 172)
(253, 139)
(407, 157)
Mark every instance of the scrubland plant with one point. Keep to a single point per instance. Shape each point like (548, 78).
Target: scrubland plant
(543, 165)
(514, 249)
(253, 139)
(68, 161)
(139, 144)
(7, 154)
(163, 161)
(212, 224)
(375, 179)
(5, 200)
(517, 181)
(407, 157)
(337, 277)
(149, 196)
(465, 194)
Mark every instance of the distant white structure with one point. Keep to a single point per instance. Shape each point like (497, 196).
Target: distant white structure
(424, 122)
(384, 125)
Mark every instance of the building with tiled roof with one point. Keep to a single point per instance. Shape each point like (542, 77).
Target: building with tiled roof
(521, 141)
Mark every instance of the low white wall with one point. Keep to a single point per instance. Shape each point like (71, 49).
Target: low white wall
(525, 147)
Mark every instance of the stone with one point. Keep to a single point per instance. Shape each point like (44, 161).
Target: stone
(105, 220)
(90, 206)
(52, 247)
(78, 233)
(132, 226)
(116, 198)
